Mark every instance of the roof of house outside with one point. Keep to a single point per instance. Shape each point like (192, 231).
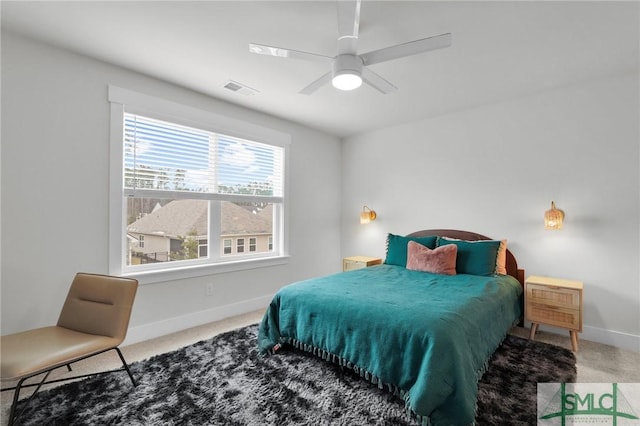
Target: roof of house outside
(239, 220)
(178, 218)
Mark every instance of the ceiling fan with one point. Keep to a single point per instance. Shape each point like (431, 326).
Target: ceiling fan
(349, 68)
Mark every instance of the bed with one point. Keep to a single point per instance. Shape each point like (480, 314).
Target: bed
(424, 336)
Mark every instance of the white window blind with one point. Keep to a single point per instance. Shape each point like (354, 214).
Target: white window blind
(185, 162)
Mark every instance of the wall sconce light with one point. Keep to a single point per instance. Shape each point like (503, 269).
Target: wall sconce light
(553, 218)
(367, 215)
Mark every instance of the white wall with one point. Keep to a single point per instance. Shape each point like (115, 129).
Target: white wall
(495, 170)
(55, 150)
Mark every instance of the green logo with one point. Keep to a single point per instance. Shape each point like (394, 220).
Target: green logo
(569, 402)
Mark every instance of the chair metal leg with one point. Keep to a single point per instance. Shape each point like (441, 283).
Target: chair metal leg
(16, 394)
(126, 366)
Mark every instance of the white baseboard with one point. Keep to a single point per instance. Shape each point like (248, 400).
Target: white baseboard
(630, 342)
(171, 325)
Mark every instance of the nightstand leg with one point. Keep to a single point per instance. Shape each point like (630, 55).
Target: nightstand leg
(574, 340)
(534, 328)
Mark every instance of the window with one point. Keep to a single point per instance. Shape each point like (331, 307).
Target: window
(227, 247)
(180, 183)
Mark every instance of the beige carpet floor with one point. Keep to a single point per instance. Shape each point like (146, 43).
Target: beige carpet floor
(596, 363)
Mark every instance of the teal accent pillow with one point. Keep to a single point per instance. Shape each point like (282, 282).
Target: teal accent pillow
(474, 257)
(397, 247)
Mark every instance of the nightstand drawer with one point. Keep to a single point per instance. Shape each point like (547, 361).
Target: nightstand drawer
(553, 296)
(556, 316)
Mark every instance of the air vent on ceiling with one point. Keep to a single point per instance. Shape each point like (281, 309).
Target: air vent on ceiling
(234, 86)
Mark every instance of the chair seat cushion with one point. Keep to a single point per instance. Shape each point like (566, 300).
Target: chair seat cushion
(35, 351)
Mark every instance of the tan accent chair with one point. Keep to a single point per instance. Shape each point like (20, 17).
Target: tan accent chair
(93, 320)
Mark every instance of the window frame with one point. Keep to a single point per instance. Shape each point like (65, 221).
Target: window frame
(122, 100)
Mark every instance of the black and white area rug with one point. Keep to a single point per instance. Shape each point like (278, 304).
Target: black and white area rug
(223, 381)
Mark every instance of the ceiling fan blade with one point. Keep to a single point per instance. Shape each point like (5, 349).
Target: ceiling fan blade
(407, 49)
(326, 78)
(348, 26)
(262, 49)
(377, 82)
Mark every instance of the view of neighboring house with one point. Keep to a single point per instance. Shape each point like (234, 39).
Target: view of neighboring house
(178, 230)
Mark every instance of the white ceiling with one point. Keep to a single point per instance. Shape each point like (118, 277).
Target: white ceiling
(500, 50)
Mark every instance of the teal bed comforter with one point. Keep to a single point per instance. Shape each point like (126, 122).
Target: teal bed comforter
(427, 337)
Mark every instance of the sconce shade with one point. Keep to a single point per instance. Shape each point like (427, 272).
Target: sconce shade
(553, 218)
(367, 215)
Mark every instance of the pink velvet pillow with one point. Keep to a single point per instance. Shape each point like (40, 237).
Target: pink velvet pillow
(441, 260)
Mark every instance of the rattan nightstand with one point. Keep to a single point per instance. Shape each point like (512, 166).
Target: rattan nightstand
(556, 302)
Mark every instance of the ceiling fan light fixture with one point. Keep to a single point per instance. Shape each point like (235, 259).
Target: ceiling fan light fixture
(346, 81)
(347, 72)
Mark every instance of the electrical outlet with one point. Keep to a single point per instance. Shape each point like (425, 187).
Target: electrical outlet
(209, 290)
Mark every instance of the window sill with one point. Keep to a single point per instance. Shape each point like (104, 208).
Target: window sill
(163, 275)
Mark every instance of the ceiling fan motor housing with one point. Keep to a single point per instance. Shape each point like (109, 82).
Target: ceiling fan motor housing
(350, 64)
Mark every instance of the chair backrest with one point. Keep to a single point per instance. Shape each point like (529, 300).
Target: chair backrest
(99, 304)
